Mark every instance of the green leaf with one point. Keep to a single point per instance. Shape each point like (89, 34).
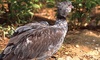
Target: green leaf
(80, 4)
(36, 0)
(78, 1)
(36, 6)
(50, 1)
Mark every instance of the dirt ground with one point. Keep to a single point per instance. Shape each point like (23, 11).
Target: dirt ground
(78, 45)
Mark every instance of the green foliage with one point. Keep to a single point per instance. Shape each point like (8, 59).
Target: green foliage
(82, 9)
(50, 3)
(7, 31)
(22, 9)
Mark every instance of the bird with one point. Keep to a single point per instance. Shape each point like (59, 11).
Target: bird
(38, 41)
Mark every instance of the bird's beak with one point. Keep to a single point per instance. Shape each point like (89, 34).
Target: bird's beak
(72, 6)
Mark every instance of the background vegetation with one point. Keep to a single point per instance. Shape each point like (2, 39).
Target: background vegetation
(16, 12)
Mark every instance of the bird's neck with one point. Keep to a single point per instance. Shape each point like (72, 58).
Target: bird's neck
(62, 23)
(59, 17)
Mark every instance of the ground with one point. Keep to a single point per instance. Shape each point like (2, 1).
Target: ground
(78, 45)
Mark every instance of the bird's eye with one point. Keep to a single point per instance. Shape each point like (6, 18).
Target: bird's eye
(69, 5)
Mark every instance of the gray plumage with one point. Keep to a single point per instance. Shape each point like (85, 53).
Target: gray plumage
(30, 26)
(39, 42)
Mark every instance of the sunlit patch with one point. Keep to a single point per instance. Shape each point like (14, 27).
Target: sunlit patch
(90, 33)
(50, 47)
(28, 41)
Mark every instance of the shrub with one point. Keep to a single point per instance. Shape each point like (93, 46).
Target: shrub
(81, 12)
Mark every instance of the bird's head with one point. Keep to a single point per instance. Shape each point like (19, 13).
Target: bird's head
(63, 8)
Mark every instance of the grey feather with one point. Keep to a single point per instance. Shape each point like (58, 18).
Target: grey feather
(30, 26)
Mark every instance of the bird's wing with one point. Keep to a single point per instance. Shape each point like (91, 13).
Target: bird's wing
(35, 43)
(29, 26)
